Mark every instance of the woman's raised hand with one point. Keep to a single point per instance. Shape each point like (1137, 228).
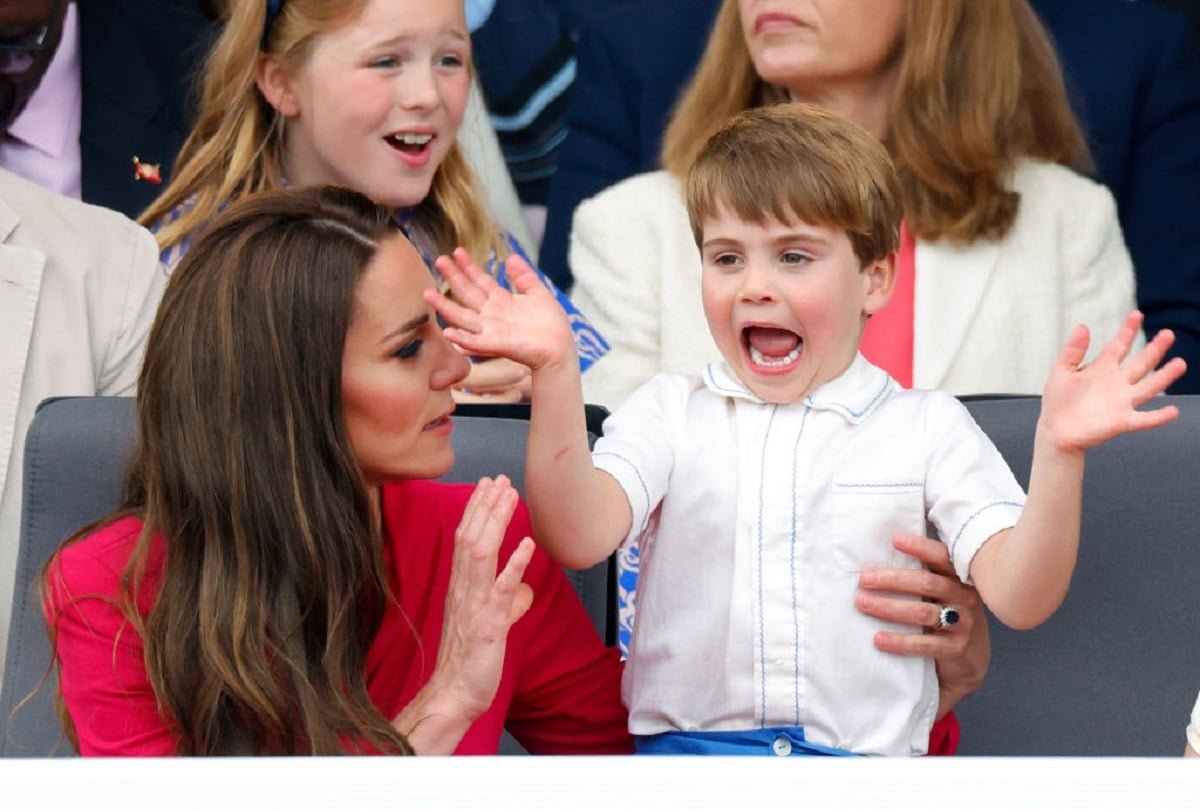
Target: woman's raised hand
(485, 319)
(481, 607)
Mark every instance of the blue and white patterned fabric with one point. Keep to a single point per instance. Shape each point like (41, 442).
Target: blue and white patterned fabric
(171, 255)
(627, 575)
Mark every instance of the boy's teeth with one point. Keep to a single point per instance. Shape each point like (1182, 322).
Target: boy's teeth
(760, 358)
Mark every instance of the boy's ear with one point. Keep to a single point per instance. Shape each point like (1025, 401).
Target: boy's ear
(880, 277)
(275, 83)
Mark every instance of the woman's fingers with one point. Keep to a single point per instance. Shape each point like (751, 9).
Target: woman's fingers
(503, 397)
(509, 587)
(494, 380)
(923, 614)
(495, 375)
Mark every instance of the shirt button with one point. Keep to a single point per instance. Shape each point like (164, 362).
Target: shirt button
(781, 746)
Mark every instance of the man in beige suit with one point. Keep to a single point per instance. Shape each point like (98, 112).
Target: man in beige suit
(79, 286)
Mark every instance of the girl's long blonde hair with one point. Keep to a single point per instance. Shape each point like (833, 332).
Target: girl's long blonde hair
(236, 145)
(979, 87)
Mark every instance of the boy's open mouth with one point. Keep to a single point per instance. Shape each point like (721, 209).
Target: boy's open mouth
(771, 348)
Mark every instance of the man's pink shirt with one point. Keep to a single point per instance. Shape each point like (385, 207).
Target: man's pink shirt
(42, 145)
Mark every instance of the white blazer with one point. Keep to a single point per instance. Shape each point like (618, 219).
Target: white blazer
(79, 286)
(989, 318)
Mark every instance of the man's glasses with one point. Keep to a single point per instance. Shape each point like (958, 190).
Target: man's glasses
(19, 50)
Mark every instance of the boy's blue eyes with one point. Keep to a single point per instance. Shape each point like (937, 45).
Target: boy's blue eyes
(408, 350)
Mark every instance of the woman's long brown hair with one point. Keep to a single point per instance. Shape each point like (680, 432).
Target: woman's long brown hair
(272, 585)
(979, 88)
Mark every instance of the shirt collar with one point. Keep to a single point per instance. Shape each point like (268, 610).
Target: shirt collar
(854, 394)
(57, 97)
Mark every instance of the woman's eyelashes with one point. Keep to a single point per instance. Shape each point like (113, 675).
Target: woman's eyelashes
(408, 350)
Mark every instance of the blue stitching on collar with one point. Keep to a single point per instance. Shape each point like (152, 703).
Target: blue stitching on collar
(887, 381)
(712, 380)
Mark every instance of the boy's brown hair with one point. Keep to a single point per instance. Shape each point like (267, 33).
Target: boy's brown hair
(796, 161)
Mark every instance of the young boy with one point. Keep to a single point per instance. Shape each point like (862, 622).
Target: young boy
(759, 490)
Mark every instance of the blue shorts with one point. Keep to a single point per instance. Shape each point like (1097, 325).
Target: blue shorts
(778, 741)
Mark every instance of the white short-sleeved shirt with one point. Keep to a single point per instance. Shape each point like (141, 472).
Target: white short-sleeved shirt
(754, 521)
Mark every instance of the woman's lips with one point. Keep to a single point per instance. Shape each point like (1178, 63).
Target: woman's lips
(774, 21)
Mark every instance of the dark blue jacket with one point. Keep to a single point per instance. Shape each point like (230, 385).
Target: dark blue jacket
(137, 59)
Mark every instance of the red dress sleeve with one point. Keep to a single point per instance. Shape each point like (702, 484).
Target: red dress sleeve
(103, 672)
(560, 688)
(568, 696)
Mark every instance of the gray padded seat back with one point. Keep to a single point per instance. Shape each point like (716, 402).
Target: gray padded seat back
(76, 456)
(1116, 670)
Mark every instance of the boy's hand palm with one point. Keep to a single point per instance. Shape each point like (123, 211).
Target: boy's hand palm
(485, 319)
(1085, 405)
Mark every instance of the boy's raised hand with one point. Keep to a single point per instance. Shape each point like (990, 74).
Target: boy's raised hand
(1085, 405)
(485, 319)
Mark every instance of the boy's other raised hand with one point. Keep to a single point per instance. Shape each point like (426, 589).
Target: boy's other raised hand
(529, 327)
(1086, 405)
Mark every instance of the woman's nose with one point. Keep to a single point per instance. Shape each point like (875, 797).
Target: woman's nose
(452, 367)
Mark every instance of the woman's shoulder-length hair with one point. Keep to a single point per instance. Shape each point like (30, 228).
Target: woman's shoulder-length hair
(979, 88)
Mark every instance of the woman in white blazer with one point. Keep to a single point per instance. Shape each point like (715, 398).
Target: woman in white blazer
(1012, 246)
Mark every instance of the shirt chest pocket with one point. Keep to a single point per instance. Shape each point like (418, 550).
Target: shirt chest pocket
(867, 514)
